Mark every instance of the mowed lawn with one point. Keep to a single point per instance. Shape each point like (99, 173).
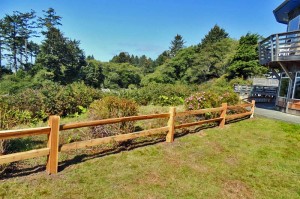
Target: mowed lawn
(257, 158)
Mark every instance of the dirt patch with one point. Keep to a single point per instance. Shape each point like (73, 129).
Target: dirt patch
(202, 134)
(216, 146)
(237, 189)
(152, 179)
(232, 161)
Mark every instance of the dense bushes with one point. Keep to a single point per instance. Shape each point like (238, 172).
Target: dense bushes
(209, 99)
(34, 105)
(160, 94)
(112, 107)
(68, 100)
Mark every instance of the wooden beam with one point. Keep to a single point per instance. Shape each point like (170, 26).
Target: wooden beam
(4, 159)
(117, 138)
(275, 73)
(197, 123)
(223, 115)
(286, 71)
(111, 121)
(239, 106)
(8, 134)
(235, 116)
(53, 143)
(196, 112)
(171, 125)
(252, 108)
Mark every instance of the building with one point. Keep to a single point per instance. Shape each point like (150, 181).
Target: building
(281, 53)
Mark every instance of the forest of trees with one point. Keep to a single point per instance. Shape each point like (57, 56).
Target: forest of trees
(59, 59)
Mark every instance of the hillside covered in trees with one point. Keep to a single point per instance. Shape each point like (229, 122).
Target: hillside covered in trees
(60, 59)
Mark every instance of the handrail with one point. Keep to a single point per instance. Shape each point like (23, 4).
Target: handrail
(8, 134)
(111, 121)
(280, 47)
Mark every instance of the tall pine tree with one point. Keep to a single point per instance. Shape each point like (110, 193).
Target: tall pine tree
(214, 35)
(245, 62)
(176, 45)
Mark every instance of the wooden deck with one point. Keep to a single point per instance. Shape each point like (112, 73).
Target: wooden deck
(281, 47)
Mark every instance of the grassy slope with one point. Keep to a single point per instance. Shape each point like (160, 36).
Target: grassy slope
(256, 158)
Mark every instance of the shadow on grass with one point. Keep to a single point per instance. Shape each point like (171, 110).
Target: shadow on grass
(14, 170)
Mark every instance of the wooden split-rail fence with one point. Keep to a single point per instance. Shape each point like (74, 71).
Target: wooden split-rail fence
(53, 148)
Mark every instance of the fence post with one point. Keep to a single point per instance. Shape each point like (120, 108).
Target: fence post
(53, 142)
(252, 108)
(171, 125)
(223, 115)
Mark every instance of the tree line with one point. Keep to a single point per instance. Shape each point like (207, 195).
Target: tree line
(60, 59)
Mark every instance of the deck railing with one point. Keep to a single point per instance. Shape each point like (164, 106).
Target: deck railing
(53, 147)
(280, 47)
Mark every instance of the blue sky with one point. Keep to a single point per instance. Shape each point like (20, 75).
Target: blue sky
(107, 27)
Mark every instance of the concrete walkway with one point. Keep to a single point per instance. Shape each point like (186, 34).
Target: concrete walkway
(267, 110)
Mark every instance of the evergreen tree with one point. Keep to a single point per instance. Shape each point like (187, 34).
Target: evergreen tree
(245, 62)
(16, 30)
(12, 38)
(176, 45)
(90, 57)
(214, 35)
(61, 56)
(123, 57)
(2, 35)
(162, 58)
(50, 20)
(92, 74)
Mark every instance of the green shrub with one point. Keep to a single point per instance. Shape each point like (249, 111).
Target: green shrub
(30, 100)
(68, 100)
(9, 117)
(160, 94)
(210, 99)
(112, 107)
(169, 101)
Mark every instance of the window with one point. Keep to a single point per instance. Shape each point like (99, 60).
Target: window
(284, 86)
(297, 86)
(294, 24)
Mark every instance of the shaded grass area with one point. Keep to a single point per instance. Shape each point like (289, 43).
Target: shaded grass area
(256, 158)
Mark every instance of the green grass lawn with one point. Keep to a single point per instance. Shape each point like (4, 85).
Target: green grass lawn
(257, 158)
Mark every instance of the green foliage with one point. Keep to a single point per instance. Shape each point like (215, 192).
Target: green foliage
(11, 84)
(211, 61)
(176, 45)
(112, 107)
(245, 62)
(162, 58)
(239, 81)
(4, 71)
(61, 56)
(66, 100)
(215, 34)
(164, 74)
(32, 105)
(30, 100)
(92, 74)
(168, 101)
(11, 116)
(202, 100)
(159, 94)
(120, 75)
(191, 65)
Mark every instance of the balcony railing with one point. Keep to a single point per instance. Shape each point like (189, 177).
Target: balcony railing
(280, 47)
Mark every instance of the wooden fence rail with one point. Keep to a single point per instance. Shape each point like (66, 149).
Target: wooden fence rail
(52, 131)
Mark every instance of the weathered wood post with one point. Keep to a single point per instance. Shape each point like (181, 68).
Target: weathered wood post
(223, 115)
(171, 125)
(252, 108)
(53, 142)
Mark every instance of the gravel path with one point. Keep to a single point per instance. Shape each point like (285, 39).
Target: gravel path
(266, 110)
